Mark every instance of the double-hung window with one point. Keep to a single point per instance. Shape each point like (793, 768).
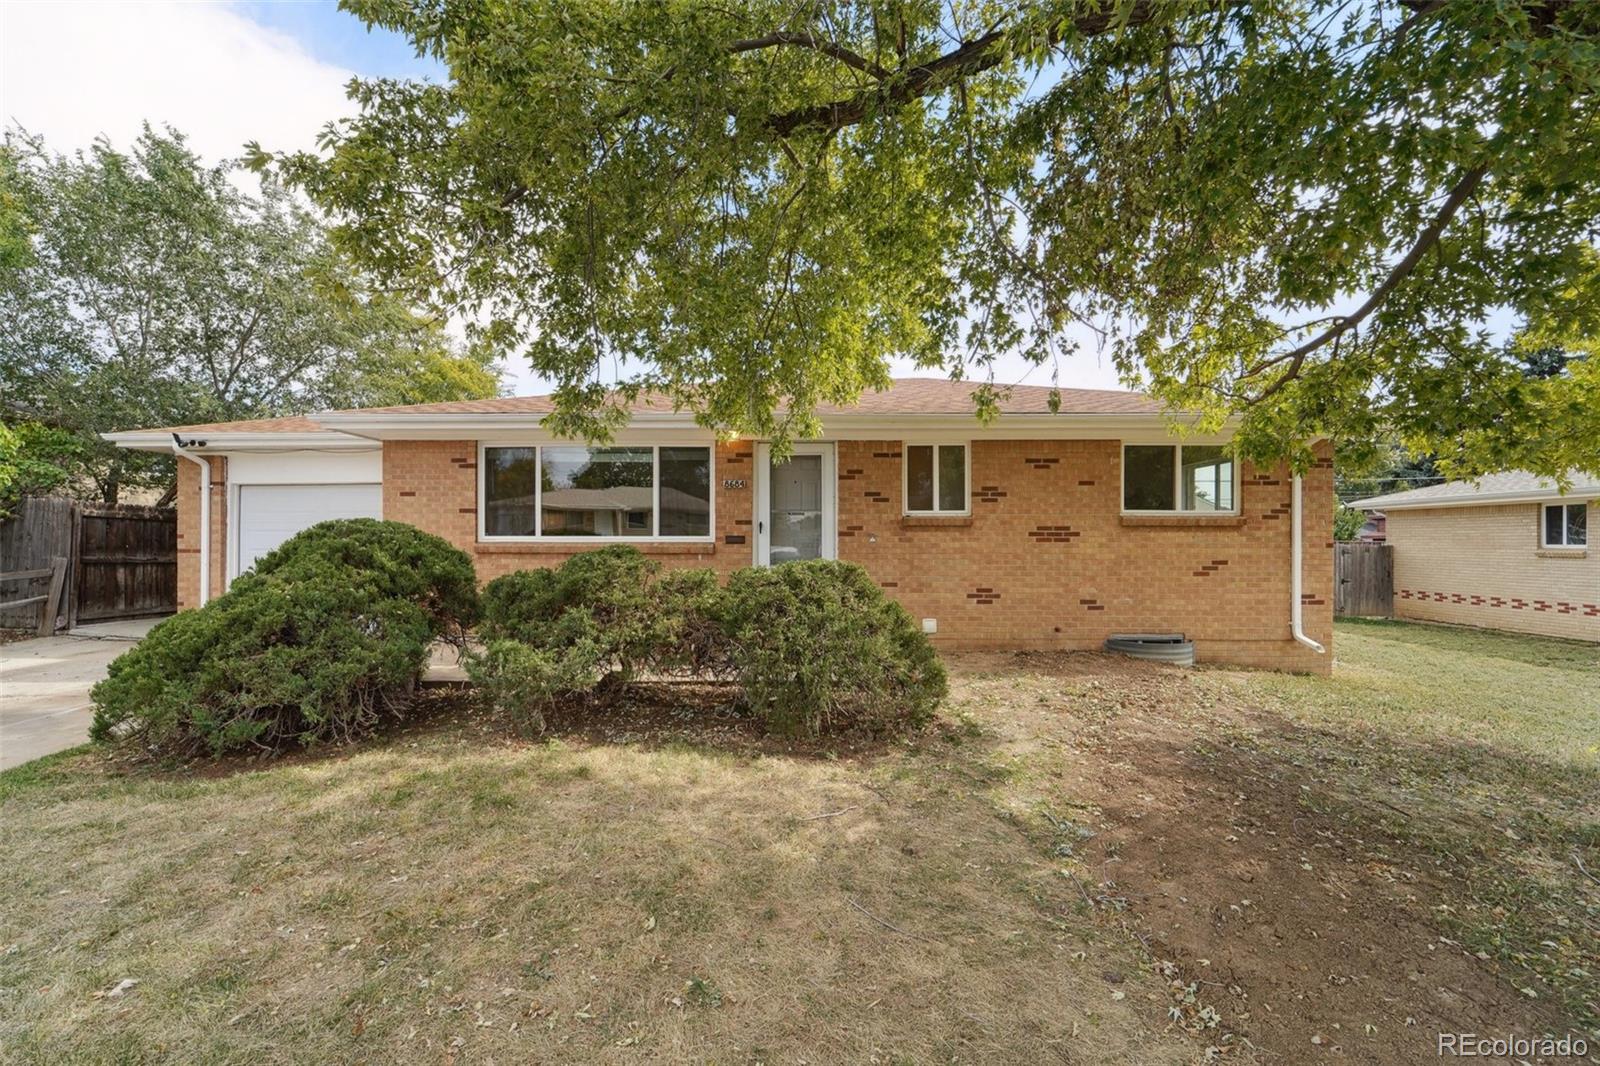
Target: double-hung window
(571, 491)
(1566, 525)
(936, 479)
(1179, 478)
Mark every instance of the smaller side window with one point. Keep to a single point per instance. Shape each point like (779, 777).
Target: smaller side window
(1566, 525)
(936, 478)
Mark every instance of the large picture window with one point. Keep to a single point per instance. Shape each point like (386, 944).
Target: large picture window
(1566, 525)
(572, 491)
(1179, 478)
(936, 478)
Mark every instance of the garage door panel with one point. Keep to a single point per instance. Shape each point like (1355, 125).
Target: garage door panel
(271, 514)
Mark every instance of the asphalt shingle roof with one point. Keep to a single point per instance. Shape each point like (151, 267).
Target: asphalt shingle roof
(904, 396)
(1489, 487)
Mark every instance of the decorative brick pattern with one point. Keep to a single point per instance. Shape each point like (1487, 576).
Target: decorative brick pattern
(1483, 566)
(1068, 572)
(998, 579)
(1054, 534)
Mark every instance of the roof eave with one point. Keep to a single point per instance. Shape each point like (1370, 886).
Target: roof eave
(150, 440)
(452, 426)
(1381, 503)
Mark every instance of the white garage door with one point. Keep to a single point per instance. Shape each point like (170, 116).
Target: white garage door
(271, 514)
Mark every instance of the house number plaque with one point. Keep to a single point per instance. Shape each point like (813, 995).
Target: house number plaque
(734, 483)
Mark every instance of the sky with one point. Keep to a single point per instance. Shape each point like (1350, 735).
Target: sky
(225, 73)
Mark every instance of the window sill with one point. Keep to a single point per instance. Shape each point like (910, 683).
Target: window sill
(1562, 553)
(935, 521)
(567, 547)
(1183, 520)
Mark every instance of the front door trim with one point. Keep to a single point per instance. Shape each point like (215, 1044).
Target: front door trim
(762, 497)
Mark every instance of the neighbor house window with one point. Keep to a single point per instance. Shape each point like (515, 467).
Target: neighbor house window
(936, 478)
(1566, 525)
(569, 491)
(1190, 478)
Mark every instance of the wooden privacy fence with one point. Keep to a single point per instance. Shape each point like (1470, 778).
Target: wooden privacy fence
(1363, 580)
(49, 602)
(121, 559)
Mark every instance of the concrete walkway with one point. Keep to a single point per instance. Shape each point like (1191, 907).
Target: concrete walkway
(45, 682)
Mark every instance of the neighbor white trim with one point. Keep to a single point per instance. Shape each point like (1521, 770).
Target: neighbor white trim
(1563, 504)
(1488, 499)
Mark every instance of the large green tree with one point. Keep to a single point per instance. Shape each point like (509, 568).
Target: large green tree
(146, 288)
(1316, 215)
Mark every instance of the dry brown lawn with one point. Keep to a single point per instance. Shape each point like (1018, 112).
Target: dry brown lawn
(1086, 861)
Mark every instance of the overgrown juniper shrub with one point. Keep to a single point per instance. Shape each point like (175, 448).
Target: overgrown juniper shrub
(323, 642)
(578, 632)
(816, 646)
(387, 559)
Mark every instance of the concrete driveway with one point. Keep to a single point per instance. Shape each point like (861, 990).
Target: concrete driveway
(45, 682)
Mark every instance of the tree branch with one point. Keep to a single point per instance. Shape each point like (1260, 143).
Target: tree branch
(1428, 238)
(972, 57)
(816, 44)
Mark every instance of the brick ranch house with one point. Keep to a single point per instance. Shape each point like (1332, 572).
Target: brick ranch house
(1039, 530)
(1511, 551)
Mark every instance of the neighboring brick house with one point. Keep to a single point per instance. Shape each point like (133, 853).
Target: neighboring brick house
(1511, 551)
(1040, 529)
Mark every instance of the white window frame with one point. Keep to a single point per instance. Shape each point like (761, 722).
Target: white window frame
(1544, 524)
(1177, 480)
(905, 478)
(654, 537)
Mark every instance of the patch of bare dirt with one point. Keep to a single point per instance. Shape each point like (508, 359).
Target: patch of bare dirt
(1310, 933)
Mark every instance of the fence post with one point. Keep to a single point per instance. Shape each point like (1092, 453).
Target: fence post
(52, 599)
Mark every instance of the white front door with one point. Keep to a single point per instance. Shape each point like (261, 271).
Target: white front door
(795, 505)
(268, 515)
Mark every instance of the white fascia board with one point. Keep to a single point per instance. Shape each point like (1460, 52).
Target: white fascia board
(237, 441)
(667, 427)
(1152, 428)
(389, 426)
(1488, 499)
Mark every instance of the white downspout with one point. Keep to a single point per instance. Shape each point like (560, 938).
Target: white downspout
(1295, 554)
(205, 517)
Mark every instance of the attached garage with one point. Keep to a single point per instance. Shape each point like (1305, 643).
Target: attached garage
(273, 497)
(268, 515)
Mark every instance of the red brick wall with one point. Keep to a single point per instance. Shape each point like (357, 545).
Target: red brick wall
(1046, 560)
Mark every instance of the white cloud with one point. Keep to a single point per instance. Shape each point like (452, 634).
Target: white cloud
(74, 71)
